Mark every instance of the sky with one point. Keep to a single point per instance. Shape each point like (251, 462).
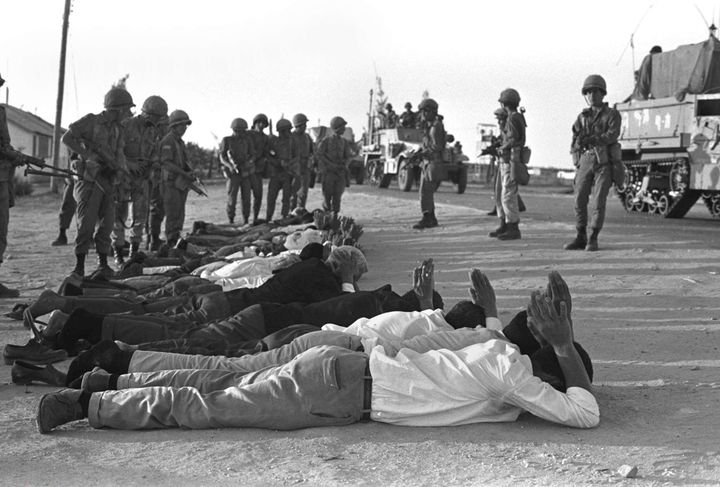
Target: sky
(219, 59)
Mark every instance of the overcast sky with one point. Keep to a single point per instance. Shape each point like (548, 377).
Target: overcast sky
(224, 59)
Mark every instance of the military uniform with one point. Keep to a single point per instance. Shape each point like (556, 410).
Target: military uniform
(408, 119)
(238, 150)
(261, 147)
(301, 183)
(155, 196)
(513, 141)
(333, 156)
(281, 172)
(175, 186)
(433, 146)
(7, 196)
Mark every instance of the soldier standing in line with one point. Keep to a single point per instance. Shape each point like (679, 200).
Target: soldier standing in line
(142, 137)
(236, 153)
(501, 118)
(279, 169)
(594, 148)
(177, 175)
(7, 196)
(408, 117)
(260, 141)
(98, 140)
(305, 148)
(510, 151)
(333, 157)
(156, 213)
(434, 138)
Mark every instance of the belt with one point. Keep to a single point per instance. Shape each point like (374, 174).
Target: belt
(367, 394)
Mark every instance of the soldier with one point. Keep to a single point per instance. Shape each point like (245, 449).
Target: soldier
(7, 196)
(157, 210)
(236, 156)
(594, 148)
(279, 169)
(391, 118)
(142, 137)
(67, 210)
(408, 117)
(434, 138)
(261, 146)
(333, 157)
(510, 151)
(98, 140)
(177, 175)
(492, 150)
(304, 152)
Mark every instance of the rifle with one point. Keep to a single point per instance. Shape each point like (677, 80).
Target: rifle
(195, 183)
(107, 160)
(34, 165)
(492, 148)
(198, 186)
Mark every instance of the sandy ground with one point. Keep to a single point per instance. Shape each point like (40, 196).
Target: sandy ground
(647, 313)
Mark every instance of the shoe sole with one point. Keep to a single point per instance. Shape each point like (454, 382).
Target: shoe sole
(10, 360)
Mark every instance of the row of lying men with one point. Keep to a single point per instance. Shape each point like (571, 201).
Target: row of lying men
(305, 348)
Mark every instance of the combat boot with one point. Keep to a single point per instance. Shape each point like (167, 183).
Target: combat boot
(501, 229)
(79, 265)
(154, 242)
(492, 212)
(433, 220)
(580, 240)
(61, 239)
(117, 251)
(424, 222)
(134, 249)
(512, 232)
(103, 268)
(592, 244)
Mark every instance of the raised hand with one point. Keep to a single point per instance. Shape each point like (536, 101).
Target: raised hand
(553, 324)
(482, 292)
(557, 291)
(424, 279)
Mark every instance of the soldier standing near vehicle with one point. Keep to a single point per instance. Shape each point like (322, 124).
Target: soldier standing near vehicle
(408, 117)
(177, 175)
(279, 169)
(510, 151)
(156, 212)
(236, 152)
(260, 141)
(7, 196)
(333, 157)
(434, 139)
(98, 140)
(304, 152)
(594, 148)
(142, 138)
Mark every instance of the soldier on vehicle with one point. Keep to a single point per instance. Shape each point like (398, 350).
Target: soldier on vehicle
(99, 142)
(236, 156)
(594, 148)
(260, 141)
(510, 152)
(7, 196)
(434, 139)
(279, 168)
(391, 118)
(304, 152)
(142, 139)
(408, 118)
(177, 175)
(333, 155)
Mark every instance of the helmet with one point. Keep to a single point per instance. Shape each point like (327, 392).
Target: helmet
(428, 104)
(509, 96)
(155, 105)
(261, 117)
(179, 117)
(337, 122)
(594, 81)
(500, 113)
(239, 124)
(283, 124)
(449, 138)
(118, 98)
(389, 106)
(408, 105)
(299, 119)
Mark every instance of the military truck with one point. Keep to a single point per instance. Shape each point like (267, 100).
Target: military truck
(671, 142)
(356, 167)
(396, 153)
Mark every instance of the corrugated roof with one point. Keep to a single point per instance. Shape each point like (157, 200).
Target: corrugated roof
(28, 121)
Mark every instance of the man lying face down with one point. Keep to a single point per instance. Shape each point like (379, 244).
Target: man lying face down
(442, 378)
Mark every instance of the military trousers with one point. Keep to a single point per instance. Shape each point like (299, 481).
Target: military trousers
(246, 186)
(68, 205)
(5, 195)
(323, 386)
(333, 187)
(429, 183)
(174, 200)
(300, 188)
(506, 196)
(157, 207)
(95, 207)
(275, 185)
(137, 208)
(592, 182)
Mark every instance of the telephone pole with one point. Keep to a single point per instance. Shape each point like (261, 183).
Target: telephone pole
(61, 90)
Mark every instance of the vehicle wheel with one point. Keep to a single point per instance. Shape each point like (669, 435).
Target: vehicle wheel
(462, 180)
(628, 202)
(663, 205)
(385, 180)
(405, 177)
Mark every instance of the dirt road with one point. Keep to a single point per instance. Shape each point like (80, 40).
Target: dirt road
(645, 307)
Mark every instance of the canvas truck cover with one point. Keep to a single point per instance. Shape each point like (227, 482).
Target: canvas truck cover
(689, 69)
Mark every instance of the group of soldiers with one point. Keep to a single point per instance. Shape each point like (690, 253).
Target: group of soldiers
(407, 119)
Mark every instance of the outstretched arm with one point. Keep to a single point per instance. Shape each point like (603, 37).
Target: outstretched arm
(424, 283)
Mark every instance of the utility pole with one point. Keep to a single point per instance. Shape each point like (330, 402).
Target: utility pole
(61, 90)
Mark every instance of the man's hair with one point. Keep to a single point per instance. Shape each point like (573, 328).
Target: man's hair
(517, 332)
(350, 254)
(313, 249)
(390, 300)
(466, 314)
(414, 301)
(545, 361)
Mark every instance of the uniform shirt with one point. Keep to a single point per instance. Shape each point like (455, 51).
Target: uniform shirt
(603, 124)
(407, 119)
(260, 148)
(305, 148)
(238, 150)
(99, 132)
(173, 152)
(142, 140)
(334, 155)
(283, 151)
(7, 168)
(434, 139)
(4, 133)
(487, 380)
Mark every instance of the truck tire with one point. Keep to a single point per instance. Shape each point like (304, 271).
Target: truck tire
(462, 179)
(405, 176)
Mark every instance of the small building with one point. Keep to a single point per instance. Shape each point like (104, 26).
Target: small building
(33, 136)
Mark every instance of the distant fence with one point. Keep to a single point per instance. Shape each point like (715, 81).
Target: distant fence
(481, 173)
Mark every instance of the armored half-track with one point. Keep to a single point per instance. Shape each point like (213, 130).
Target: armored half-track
(671, 142)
